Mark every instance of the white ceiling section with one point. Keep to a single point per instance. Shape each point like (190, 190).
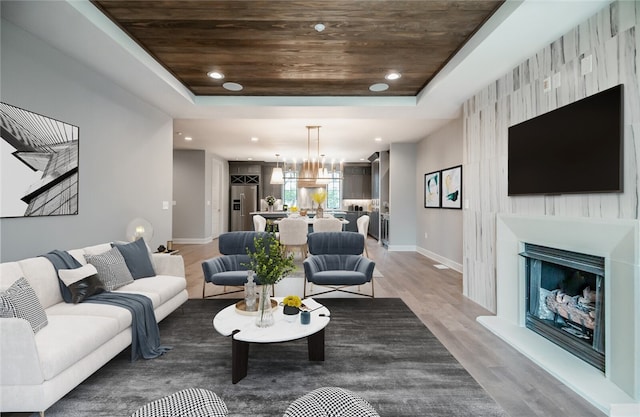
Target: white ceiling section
(225, 125)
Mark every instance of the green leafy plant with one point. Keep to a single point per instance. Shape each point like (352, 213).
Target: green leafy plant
(269, 261)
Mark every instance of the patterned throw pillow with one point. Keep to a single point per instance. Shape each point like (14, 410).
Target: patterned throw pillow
(193, 402)
(112, 269)
(82, 282)
(19, 300)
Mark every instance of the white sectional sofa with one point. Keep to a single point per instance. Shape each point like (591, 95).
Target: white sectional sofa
(37, 369)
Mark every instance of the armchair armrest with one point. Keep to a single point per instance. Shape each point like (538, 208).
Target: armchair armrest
(167, 264)
(366, 266)
(19, 359)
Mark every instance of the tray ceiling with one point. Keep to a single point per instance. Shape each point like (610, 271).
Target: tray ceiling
(272, 49)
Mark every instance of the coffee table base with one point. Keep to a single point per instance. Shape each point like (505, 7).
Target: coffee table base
(240, 354)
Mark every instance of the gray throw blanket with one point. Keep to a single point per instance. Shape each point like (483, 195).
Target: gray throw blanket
(145, 335)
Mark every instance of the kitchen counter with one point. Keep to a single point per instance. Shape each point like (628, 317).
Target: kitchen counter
(280, 214)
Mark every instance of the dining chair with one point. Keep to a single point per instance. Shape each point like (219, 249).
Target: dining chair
(293, 234)
(259, 223)
(363, 229)
(327, 225)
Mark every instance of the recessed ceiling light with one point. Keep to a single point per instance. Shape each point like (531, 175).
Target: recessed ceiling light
(392, 76)
(319, 27)
(254, 139)
(232, 86)
(215, 75)
(378, 87)
(188, 138)
(249, 159)
(378, 139)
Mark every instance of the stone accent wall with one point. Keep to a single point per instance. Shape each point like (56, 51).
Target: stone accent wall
(611, 38)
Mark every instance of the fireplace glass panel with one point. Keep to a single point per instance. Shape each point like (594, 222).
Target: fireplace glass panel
(565, 300)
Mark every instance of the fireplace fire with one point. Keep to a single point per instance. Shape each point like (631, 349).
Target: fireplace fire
(565, 300)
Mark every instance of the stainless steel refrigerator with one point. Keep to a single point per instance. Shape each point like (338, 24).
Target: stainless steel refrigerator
(244, 200)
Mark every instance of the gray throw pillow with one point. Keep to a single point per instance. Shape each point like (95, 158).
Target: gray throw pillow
(112, 269)
(20, 301)
(82, 282)
(136, 255)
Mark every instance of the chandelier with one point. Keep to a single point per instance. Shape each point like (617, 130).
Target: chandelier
(313, 171)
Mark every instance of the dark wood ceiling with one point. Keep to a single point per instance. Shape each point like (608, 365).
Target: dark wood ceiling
(272, 49)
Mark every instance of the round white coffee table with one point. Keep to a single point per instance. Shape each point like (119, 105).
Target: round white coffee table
(243, 331)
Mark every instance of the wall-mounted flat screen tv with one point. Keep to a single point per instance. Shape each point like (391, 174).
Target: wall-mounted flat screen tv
(577, 148)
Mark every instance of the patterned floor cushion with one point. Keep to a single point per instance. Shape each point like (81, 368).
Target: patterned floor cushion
(330, 402)
(191, 402)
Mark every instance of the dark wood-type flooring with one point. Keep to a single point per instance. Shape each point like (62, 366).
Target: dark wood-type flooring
(521, 387)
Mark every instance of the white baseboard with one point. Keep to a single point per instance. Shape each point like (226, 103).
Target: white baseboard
(193, 241)
(444, 261)
(401, 248)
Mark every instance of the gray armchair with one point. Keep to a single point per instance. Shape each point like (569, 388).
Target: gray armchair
(336, 262)
(227, 269)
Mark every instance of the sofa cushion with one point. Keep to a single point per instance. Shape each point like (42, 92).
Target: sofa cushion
(82, 282)
(136, 256)
(20, 301)
(112, 268)
(43, 278)
(67, 339)
(165, 287)
(121, 315)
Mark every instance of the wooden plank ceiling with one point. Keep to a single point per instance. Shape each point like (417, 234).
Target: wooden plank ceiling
(272, 49)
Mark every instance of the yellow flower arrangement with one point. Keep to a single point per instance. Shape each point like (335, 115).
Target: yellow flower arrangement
(293, 209)
(319, 196)
(292, 301)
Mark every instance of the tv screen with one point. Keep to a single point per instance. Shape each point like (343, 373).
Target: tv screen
(573, 149)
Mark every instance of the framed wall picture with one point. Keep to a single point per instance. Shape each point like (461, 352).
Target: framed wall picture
(452, 187)
(432, 190)
(39, 164)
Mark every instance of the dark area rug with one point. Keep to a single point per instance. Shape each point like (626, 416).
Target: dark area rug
(376, 348)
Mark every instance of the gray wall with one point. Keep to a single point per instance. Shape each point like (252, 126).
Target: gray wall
(125, 149)
(440, 150)
(611, 37)
(190, 196)
(402, 208)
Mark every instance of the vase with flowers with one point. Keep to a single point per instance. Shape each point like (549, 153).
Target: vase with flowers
(271, 200)
(270, 264)
(291, 307)
(319, 197)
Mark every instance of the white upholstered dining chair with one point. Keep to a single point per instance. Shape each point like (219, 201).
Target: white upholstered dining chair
(327, 225)
(363, 229)
(293, 234)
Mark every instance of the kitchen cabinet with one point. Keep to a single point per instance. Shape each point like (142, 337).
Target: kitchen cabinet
(240, 168)
(268, 188)
(374, 224)
(356, 182)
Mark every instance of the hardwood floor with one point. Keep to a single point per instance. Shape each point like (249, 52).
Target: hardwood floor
(435, 296)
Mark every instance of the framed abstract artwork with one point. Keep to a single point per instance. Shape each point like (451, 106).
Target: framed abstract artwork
(452, 187)
(432, 190)
(39, 164)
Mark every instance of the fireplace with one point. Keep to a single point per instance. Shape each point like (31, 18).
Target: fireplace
(565, 300)
(614, 244)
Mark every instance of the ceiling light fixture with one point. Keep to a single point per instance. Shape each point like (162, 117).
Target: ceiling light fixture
(378, 87)
(392, 76)
(314, 171)
(188, 138)
(277, 176)
(232, 86)
(215, 75)
(319, 27)
(254, 139)
(378, 139)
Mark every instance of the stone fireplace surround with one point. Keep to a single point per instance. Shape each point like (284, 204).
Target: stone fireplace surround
(617, 391)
